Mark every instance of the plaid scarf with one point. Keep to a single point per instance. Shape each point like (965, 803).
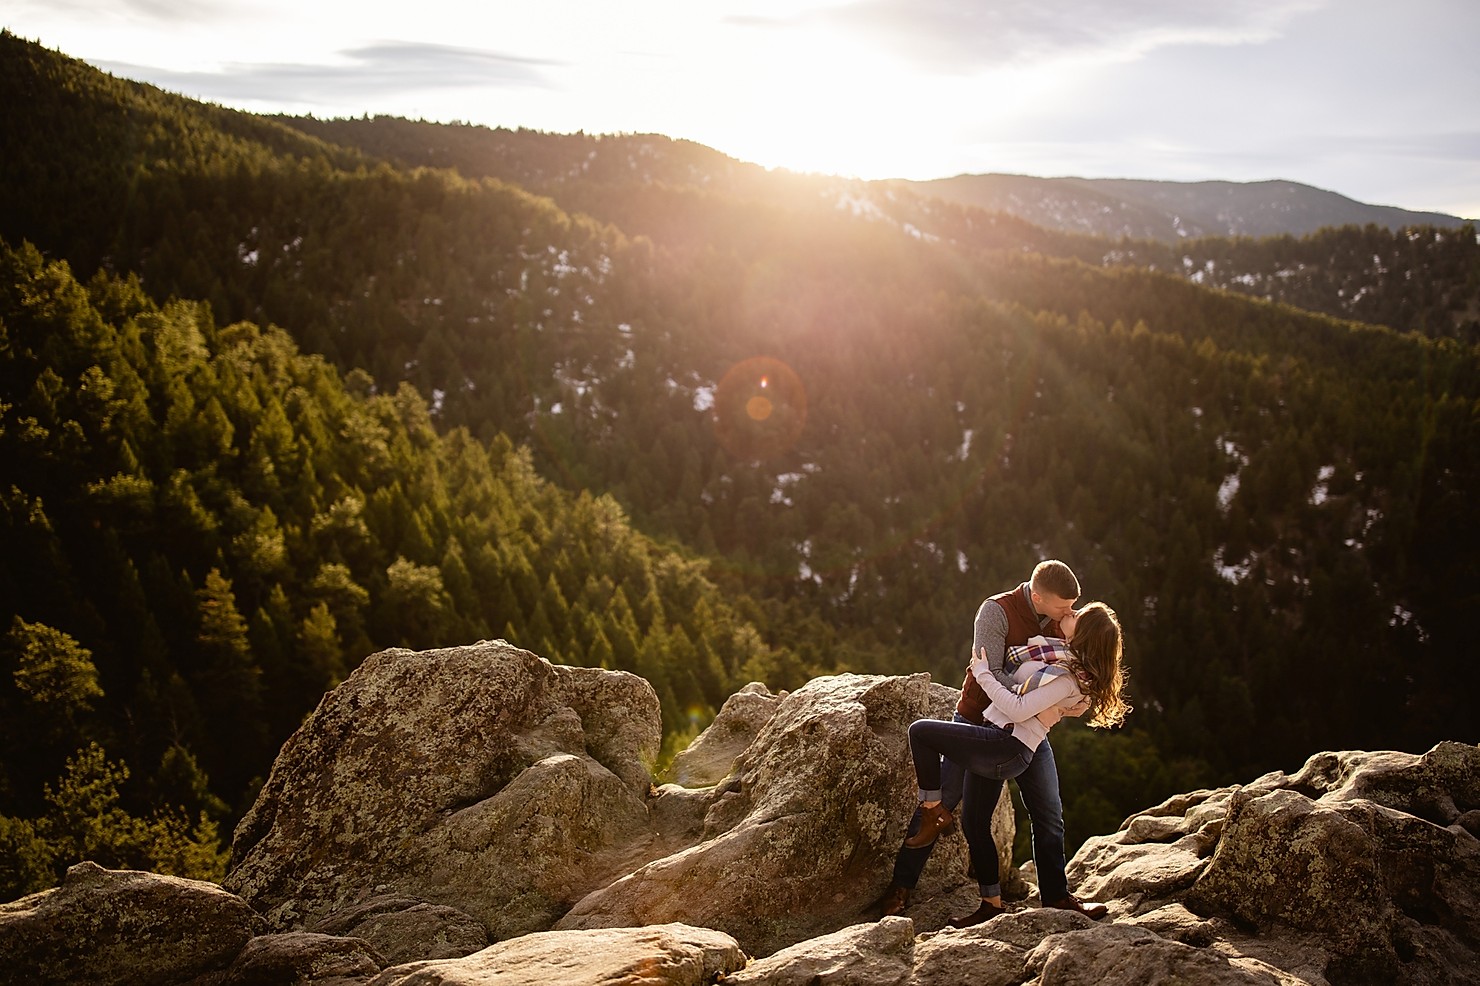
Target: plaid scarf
(1050, 650)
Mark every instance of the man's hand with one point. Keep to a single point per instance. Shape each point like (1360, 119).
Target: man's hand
(1078, 710)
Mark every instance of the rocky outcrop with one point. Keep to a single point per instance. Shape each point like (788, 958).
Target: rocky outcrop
(1364, 866)
(480, 778)
(803, 829)
(437, 803)
(122, 927)
(487, 783)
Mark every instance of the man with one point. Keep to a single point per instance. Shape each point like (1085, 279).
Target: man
(1005, 620)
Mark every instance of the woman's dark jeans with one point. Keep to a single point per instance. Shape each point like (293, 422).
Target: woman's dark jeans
(1038, 784)
(988, 751)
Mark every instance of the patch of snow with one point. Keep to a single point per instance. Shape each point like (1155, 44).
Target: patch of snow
(1231, 573)
(804, 567)
(562, 265)
(859, 206)
(783, 481)
(1228, 489)
(1403, 618)
(1321, 490)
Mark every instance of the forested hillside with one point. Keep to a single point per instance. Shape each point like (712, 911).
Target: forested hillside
(204, 529)
(402, 405)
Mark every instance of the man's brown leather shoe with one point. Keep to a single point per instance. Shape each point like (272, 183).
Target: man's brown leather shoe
(1090, 910)
(933, 821)
(894, 901)
(986, 912)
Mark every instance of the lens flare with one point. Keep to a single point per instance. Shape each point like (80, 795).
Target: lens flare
(760, 408)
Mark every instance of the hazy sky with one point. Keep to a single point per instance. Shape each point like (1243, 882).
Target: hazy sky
(1375, 99)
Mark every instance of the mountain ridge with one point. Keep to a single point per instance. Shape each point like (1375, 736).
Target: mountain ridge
(1172, 211)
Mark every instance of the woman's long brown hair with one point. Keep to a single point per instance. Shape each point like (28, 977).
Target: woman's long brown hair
(1098, 648)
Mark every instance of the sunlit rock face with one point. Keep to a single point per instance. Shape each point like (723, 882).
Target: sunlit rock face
(480, 778)
(1366, 865)
(658, 955)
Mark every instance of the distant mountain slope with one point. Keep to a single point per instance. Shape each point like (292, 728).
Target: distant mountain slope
(677, 192)
(680, 193)
(1170, 211)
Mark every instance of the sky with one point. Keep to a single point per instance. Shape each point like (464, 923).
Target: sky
(1376, 100)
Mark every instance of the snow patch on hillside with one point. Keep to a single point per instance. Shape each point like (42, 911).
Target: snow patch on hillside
(1228, 489)
(1231, 573)
(1321, 491)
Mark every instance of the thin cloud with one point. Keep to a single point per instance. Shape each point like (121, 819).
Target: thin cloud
(949, 35)
(390, 68)
(163, 12)
(1451, 145)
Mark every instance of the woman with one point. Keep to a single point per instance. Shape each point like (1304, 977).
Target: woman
(1054, 678)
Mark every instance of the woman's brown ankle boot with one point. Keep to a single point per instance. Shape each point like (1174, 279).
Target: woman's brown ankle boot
(933, 821)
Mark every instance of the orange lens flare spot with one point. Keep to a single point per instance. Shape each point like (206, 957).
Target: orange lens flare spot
(760, 408)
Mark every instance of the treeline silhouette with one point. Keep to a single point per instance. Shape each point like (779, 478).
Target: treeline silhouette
(625, 401)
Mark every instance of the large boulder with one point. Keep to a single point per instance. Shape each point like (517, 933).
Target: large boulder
(481, 778)
(122, 927)
(1115, 953)
(663, 955)
(800, 837)
(879, 953)
(712, 755)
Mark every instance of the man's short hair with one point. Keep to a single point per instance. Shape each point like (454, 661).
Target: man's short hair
(1054, 577)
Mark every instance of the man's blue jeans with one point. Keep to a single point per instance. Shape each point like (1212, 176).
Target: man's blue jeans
(1039, 787)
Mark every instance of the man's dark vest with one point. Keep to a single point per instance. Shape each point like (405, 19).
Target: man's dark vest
(1022, 623)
